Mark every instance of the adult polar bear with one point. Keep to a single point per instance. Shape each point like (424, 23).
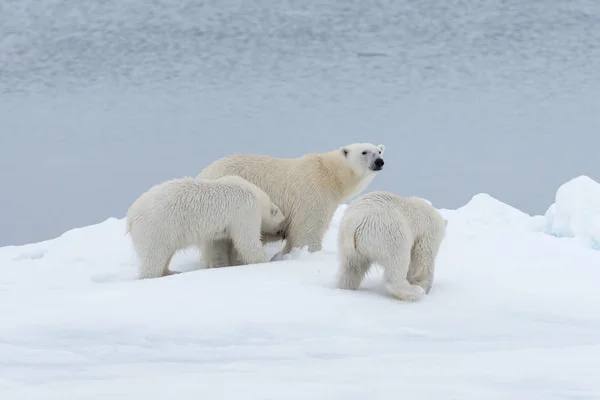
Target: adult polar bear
(307, 189)
(185, 212)
(402, 234)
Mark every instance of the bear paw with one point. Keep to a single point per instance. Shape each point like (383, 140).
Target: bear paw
(406, 293)
(278, 257)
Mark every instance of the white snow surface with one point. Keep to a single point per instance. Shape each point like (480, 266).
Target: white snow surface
(514, 314)
(576, 212)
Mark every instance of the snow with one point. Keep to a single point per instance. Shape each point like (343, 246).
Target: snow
(513, 314)
(576, 212)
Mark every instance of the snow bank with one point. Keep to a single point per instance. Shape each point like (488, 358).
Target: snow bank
(512, 314)
(485, 212)
(575, 213)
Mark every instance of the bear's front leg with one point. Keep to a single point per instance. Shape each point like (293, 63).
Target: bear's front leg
(308, 232)
(248, 245)
(235, 259)
(215, 253)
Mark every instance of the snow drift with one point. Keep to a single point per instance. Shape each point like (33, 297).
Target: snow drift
(576, 212)
(513, 313)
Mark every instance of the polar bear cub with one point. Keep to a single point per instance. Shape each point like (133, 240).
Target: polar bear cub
(185, 212)
(308, 189)
(402, 234)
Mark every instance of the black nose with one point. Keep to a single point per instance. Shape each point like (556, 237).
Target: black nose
(379, 162)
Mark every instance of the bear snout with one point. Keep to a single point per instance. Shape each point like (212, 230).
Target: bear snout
(378, 164)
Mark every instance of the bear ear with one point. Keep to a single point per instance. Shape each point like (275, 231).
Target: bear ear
(381, 148)
(345, 151)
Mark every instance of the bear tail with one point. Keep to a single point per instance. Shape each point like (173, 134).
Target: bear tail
(348, 239)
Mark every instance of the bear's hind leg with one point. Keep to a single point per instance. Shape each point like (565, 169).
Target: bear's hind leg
(422, 264)
(352, 269)
(396, 267)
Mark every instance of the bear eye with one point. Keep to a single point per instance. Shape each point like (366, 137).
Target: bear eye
(379, 151)
(273, 212)
(364, 152)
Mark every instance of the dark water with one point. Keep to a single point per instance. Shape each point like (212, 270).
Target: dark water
(101, 99)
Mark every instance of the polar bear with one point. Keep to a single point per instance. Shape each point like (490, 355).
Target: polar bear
(307, 189)
(402, 234)
(185, 212)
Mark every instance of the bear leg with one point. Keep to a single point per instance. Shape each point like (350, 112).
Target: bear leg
(214, 253)
(155, 264)
(166, 270)
(395, 273)
(303, 235)
(248, 245)
(352, 269)
(234, 256)
(422, 264)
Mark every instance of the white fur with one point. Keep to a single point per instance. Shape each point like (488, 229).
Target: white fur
(307, 189)
(186, 212)
(401, 234)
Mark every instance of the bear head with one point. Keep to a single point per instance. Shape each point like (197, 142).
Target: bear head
(363, 158)
(272, 219)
